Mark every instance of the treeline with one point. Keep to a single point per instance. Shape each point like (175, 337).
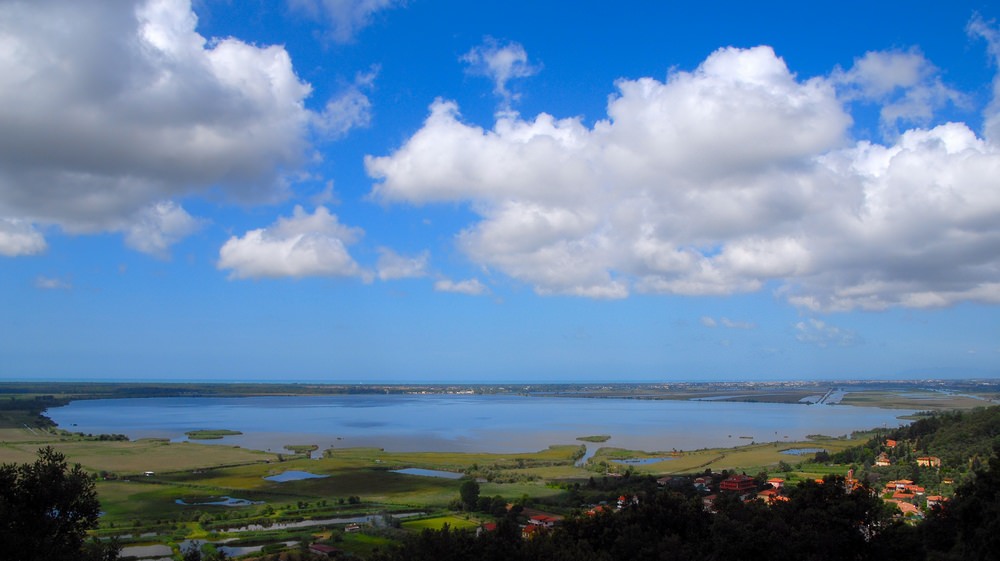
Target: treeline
(820, 522)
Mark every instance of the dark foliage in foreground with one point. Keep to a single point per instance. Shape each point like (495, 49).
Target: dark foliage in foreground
(820, 522)
(46, 509)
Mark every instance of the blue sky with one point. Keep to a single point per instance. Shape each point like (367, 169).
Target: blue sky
(377, 190)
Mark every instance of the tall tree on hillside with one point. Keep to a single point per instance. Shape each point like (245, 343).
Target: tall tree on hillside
(469, 492)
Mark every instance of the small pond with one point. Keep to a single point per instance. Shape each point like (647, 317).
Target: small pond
(293, 476)
(802, 451)
(222, 501)
(430, 473)
(237, 551)
(144, 551)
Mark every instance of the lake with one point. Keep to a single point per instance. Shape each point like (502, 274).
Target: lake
(467, 423)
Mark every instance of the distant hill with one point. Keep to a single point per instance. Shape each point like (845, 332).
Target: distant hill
(963, 440)
(957, 437)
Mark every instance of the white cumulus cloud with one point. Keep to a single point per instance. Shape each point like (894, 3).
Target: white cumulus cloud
(19, 237)
(500, 63)
(908, 87)
(345, 17)
(159, 226)
(732, 177)
(348, 110)
(52, 283)
(709, 321)
(392, 265)
(109, 108)
(470, 287)
(818, 332)
(303, 245)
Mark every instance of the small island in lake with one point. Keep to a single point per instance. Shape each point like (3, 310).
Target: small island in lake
(211, 434)
(595, 438)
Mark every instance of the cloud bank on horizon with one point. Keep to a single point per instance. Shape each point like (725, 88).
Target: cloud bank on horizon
(734, 176)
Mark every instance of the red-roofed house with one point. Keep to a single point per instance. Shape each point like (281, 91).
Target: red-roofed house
(935, 500)
(544, 520)
(771, 496)
(597, 510)
(738, 483)
(906, 508)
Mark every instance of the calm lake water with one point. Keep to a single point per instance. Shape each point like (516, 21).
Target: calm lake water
(467, 423)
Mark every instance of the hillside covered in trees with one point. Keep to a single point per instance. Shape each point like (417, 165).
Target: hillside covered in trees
(833, 519)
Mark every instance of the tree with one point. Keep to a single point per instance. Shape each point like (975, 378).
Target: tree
(46, 509)
(469, 491)
(193, 552)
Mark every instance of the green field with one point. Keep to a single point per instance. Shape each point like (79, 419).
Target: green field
(438, 522)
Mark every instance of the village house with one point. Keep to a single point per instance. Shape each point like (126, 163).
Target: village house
(538, 522)
(597, 510)
(486, 527)
(771, 496)
(929, 461)
(776, 482)
(708, 503)
(883, 460)
(738, 483)
(544, 521)
(935, 500)
(898, 484)
(530, 531)
(890, 443)
(625, 500)
(906, 508)
(541, 518)
(904, 487)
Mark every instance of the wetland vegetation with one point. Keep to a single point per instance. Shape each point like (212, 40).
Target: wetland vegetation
(211, 434)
